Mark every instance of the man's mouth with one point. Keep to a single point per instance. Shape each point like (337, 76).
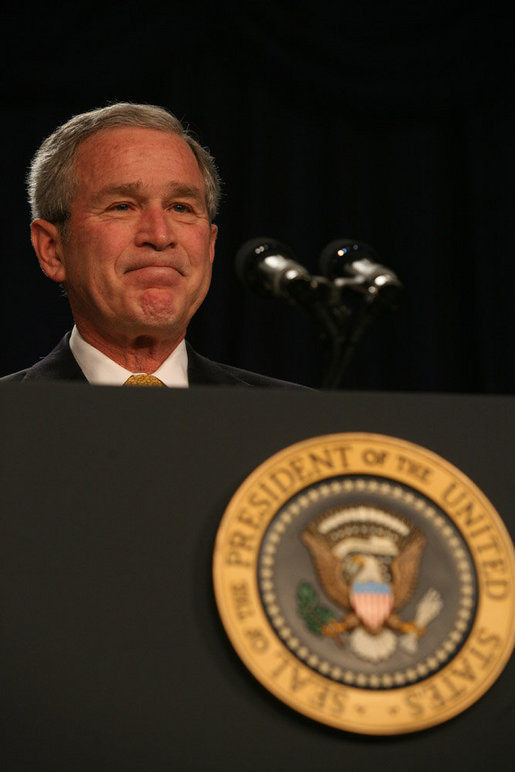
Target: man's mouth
(154, 274)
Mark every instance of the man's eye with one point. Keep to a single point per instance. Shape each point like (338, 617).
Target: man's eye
(121, 206)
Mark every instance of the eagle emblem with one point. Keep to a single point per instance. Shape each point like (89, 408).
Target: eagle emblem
(368, 562)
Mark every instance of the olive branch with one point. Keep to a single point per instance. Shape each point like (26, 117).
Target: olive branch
(314, 615)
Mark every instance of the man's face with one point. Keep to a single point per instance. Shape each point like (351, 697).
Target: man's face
(137, 252)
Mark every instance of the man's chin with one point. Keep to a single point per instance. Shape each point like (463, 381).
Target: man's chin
(159, 305)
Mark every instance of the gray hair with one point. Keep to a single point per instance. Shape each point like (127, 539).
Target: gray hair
(51, 181)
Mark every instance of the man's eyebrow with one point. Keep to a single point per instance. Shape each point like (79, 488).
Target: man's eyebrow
(185, 191)
(125, 189)
(138, 188)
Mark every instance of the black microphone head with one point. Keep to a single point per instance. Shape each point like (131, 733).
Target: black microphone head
(356, 266)
(250, 257)
(337, 258)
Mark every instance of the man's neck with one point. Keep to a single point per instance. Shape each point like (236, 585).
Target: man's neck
(140, 354)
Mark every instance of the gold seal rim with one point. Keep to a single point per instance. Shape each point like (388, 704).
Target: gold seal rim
(371, 720)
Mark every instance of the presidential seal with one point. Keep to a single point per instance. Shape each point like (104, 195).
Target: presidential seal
(367, 583)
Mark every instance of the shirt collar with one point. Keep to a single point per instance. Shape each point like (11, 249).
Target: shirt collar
(102, 371)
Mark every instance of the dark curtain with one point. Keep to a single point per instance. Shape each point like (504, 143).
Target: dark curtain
(388, 123)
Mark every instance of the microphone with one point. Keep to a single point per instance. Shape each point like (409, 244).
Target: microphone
(351, 263)
(351, 272)
(268, 267)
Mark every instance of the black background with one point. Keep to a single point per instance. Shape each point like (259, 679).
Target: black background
(391, 124)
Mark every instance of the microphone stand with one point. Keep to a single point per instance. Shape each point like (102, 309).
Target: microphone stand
(340, 325)
(321, 300)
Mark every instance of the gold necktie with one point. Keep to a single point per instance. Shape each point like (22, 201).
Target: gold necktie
(143, 380)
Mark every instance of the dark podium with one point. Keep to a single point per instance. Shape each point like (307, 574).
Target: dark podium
(112, 655)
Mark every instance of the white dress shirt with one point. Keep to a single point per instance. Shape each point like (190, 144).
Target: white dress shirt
(102, 371)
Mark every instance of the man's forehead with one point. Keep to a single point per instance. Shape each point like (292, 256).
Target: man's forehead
(137, 157)
(123, 134)
(129, 144)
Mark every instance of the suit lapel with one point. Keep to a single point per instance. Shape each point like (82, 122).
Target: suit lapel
(202, 371)
(60, 364)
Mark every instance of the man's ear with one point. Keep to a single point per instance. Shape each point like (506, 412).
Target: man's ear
(214, 233)
(47, 243)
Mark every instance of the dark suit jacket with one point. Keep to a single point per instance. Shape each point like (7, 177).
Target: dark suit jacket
(60, 364)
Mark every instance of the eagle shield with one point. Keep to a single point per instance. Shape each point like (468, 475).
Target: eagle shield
(372, 602)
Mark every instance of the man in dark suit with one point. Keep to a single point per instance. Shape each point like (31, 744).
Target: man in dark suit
(123, 203)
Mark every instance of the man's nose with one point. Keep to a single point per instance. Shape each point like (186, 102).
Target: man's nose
(155, 229)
